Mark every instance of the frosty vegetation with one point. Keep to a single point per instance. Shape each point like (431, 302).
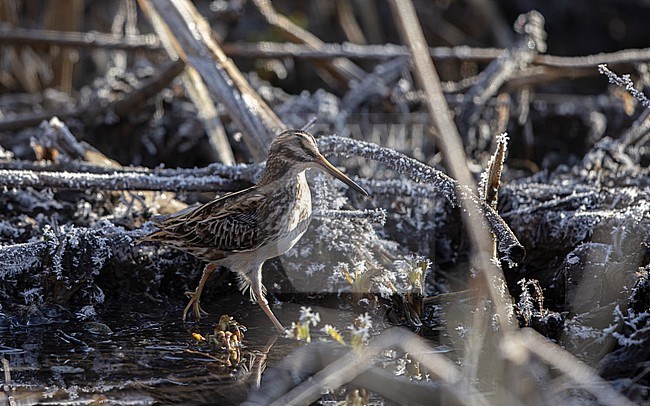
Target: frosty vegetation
(571, 238)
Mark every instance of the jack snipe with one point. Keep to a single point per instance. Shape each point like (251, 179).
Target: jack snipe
(243, 229)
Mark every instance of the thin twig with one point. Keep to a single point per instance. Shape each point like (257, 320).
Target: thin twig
(374, 215)
(340, 67)
(349, 23)
(23, 36)
(16, 35)
(241, 172)
(20, 121)
(118, 181)
(460, 53)
(626, 83)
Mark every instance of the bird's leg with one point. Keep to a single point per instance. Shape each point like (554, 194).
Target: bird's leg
(195, 296)
(264, 304)
(256, 286)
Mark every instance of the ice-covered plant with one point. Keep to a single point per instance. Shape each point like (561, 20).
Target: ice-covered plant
(405, 277)
(334, 333)
(300, 330)
(361, 330)
(530, 306)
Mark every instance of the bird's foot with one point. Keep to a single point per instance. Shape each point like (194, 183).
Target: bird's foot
(195, 304)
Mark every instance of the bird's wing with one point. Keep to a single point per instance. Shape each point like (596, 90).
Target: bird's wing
(230, 223)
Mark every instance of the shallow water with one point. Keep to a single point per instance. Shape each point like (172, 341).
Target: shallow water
(145, 358)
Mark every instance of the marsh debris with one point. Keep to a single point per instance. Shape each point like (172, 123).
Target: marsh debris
(101, 131)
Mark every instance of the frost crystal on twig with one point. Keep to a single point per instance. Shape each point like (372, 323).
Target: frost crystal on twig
(530, 306)
(507, 242)
(491, 177)
(625, 82)
(374, 215)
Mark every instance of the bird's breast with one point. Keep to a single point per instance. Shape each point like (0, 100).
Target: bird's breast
(295, 224)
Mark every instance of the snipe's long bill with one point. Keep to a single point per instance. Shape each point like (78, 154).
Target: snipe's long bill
(241, 230)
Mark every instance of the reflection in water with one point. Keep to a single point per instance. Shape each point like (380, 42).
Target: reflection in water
(138, 359)
(134, 358)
